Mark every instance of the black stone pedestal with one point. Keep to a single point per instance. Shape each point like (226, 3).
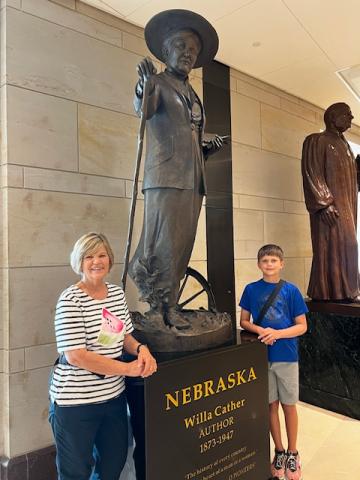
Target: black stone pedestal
(330, 358)
(204, 416)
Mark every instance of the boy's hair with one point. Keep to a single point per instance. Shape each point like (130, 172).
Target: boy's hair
(270, 249)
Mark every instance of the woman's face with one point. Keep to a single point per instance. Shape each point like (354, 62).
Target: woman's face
(96, 266)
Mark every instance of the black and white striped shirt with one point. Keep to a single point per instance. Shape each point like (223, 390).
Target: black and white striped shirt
(78, 321)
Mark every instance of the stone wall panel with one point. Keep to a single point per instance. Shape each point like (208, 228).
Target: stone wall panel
(107, 142)
(294, 272)
(248, 232)
(257, 93)
(29, 426)
(291, 231)
(40, 356)
(51, 222)
(199, 250)
(63, 16)
(33, 296)
(245, 120)
(251, 202)
(283, 132)
(105, 78)
(38, 178)
(265, 174)
(42, 130)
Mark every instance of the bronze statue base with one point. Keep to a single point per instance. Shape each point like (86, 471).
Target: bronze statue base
(206, 330)
(345, 301)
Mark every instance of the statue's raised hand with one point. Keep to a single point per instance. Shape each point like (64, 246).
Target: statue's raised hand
(146, 70)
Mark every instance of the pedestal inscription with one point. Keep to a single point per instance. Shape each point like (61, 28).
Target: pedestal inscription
(207, 417)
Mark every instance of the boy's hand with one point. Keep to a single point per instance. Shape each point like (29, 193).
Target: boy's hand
(260, 330)
(269, 336)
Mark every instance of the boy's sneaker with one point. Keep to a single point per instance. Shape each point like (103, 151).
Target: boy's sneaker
(278, 465)
(293, 466)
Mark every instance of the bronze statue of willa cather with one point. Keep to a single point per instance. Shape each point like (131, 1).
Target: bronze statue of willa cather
(174, 178)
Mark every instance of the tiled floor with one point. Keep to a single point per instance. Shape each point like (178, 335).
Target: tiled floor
(329, 444)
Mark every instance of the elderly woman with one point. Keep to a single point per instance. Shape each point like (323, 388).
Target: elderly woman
(88, 406)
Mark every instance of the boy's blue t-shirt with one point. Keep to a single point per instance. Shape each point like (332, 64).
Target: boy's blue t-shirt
(288, 304)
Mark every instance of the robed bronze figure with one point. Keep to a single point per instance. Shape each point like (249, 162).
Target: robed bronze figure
(330, 178)
(174, 177)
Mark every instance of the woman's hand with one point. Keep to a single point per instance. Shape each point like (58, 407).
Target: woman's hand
(102, 365)
(147, 361)
(134, 369)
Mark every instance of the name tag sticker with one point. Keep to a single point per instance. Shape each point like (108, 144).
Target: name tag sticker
(112, 329)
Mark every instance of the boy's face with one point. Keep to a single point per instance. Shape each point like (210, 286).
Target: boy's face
(271, 266)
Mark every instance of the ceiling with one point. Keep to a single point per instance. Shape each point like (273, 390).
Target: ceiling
(295, 45)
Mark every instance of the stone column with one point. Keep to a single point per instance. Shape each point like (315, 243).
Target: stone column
(4, 352)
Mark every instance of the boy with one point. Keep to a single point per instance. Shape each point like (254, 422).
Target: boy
(279, 328)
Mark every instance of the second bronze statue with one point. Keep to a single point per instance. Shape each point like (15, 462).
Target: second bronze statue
(330, 176)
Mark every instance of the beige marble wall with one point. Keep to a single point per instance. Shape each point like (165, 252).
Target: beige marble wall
(3, 352)
(68, 144)
(268, 129)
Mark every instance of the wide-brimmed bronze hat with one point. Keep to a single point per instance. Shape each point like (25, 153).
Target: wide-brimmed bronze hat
(165, 23)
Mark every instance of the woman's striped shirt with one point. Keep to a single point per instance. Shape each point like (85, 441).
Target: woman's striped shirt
(78, 321)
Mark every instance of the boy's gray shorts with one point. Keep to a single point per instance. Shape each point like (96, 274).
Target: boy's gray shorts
(284, 382)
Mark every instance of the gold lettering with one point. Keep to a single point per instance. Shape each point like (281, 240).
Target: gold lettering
(231, 380)
(208, 386)
(186, 395)
(174, 401)
(198, 393)
(221, 385)
(240, 376)
(189, 421)
(252, 375)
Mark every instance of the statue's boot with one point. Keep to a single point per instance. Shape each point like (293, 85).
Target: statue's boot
(155, 320)
(175, 319)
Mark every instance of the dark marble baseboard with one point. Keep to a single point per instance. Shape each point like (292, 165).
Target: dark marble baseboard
(335, 308)
(330, 359)
(36, 465)
(328, 401)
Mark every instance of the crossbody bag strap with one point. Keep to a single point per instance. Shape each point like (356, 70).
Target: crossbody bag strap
(269, 302)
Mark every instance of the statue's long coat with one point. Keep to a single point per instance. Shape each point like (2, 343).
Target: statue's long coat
(330, 178)
(174, 185)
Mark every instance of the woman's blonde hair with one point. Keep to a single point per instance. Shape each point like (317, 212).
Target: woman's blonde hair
(87, 245)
